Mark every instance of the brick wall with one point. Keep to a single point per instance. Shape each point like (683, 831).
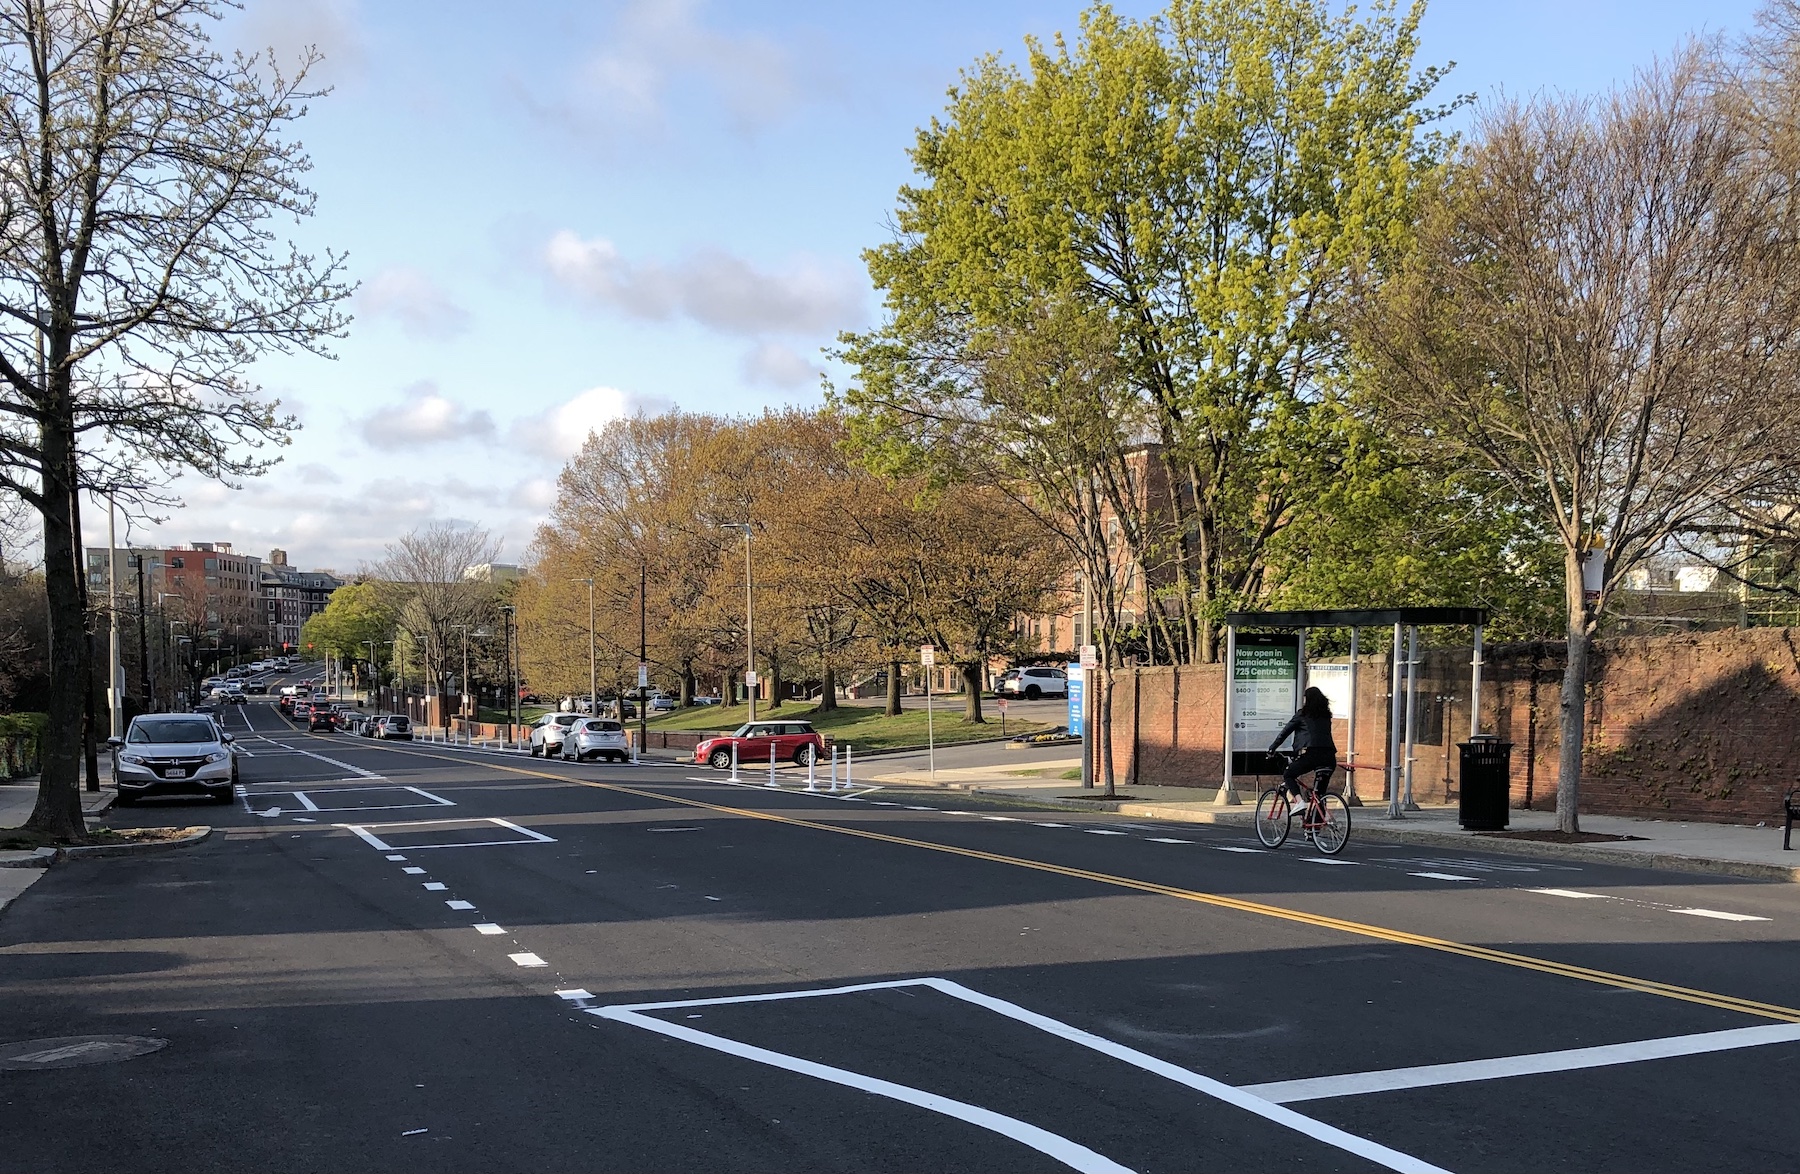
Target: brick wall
(1703, 726)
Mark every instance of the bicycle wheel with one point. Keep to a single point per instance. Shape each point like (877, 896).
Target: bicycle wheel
(1333, 831)
(1273, 815)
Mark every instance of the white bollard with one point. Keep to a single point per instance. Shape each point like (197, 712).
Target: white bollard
(734, 762)
(846, 767)
(771, 782)
(812, 774)
(833, 786)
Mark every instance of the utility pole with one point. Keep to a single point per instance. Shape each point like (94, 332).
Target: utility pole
(643, 660)
(143, 636)
(113, 693)
(507, 612)
(750, 681)
(593, 673)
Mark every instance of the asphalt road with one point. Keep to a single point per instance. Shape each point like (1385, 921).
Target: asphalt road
(406, 957)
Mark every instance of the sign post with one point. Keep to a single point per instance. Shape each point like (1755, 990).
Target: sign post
(928, 658)
(1090, 660)
(1001, 702)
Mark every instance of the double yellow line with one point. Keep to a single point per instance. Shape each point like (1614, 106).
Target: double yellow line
(1317, 920)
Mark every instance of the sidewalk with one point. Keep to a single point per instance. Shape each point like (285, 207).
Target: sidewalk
(20, 870)
(1752, 852)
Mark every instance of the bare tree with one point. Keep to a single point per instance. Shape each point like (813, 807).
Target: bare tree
(1601, 307)
(425, 581)
(139, 276)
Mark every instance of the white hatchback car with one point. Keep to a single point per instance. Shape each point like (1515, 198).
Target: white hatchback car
(548, 731)
(596, 737)
(174, 753)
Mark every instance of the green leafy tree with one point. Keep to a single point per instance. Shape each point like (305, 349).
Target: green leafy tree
(357, 615)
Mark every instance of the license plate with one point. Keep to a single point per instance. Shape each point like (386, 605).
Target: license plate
(176, 772)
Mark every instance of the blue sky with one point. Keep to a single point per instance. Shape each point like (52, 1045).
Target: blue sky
(561, 211)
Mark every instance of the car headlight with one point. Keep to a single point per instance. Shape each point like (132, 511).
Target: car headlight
(218, 756)
(134, 759)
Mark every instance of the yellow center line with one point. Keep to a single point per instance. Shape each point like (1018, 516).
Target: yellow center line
(1317, 920)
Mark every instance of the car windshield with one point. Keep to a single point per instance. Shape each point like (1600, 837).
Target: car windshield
(171, 730)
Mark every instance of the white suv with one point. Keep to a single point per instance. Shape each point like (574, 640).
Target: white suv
(1033, 683)
(547, 732)
(182, 753)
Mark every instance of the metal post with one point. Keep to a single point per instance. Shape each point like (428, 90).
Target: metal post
(1393, 757)
(749, 629)
(1087, 690)
(644, 656)
(812, 773)
(847, 767)
(1412, 709)
(114, 695)
(734, 762)
(143, 637)
(771, 782)
(1228, 796)
(1350, 798)
(931, 738)
(1475, 663)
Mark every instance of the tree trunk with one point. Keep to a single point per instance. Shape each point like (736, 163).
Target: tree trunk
(893, 697)
(731, 689)
(57, 814)
(774, 684)
(1103, 727)
(1572, 732)
(687, 685)
(828, 691)
(971, 675)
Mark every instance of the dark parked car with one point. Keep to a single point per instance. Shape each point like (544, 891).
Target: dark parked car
(321, 719)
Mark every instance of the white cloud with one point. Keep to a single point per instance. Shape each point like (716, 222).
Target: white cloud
(536, 494)
(775, 365)
(317, 474)
(411, 298)
(711, 287)
(662, 48)
(559, 432)
(423, 416)
(290, 27)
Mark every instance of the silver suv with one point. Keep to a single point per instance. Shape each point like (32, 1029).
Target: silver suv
(174, 753)
(1033, 683)
(548, 732)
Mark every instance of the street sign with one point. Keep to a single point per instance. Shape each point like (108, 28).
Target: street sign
(927, 655)
(643, 676)
(750, 678)
(1076, 708)
(1090, 656)
(1001, 702)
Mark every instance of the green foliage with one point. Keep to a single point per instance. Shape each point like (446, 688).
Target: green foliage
(356, 613)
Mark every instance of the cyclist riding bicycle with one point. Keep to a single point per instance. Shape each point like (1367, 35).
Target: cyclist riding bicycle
(1311, 728)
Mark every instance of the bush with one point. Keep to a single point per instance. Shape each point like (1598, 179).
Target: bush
(21, 743)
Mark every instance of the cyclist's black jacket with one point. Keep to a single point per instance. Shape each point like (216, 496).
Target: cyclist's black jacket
(1314, 733)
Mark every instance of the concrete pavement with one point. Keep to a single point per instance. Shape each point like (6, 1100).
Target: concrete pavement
(409, 957)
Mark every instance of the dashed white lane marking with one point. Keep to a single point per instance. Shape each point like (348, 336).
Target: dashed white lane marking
(1717, 915)
(527, 960)
(1325, 860)
(934, 809)
(1167, 840)
(1104, 832)
(413, 871)
(413, 1132)
(1229, 848)
(574, 994)
(1001, 818)
(488, 929)
(1449, 876)
(303, 819)
(1571, 893)
(355, 770)
(305, 802)
(1053, 825)
(460, 904)
(396, 856)
(434, 886)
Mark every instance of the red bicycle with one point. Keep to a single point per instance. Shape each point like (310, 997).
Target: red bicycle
(1324, 817)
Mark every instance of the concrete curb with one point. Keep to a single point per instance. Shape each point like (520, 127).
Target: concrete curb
(27, 858)
(1241, 816)
(194, 835)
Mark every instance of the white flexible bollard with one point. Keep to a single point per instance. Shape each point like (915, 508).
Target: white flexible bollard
(734, 762)
(846, 767)
(771, 782)
(833, 785)
(812, 774)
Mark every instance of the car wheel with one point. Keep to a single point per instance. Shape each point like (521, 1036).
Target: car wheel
(805, 755)
(719, 760)
(1032, 692)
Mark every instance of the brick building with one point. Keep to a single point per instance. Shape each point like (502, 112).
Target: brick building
(292, 596)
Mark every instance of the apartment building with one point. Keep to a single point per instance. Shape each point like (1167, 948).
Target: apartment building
(292, 596)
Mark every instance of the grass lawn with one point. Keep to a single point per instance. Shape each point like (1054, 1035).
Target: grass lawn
(865, 727)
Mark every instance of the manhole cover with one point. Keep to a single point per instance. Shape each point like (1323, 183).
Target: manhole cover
(72, 1051)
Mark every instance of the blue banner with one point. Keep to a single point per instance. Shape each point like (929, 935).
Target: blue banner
(1075, 681)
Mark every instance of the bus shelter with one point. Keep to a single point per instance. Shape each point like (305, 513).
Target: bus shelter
(1266, 671)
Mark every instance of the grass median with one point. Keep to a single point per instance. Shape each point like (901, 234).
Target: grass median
(865, 727)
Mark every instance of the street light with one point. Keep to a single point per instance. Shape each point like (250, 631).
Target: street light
(750, 681)
(509, 614)
(593, 674)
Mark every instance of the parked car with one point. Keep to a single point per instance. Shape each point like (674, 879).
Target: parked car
(358, 723)
(595, 737)
(756, 741)
(174, 753)
(712, 700)
(660, 703)
(547, 733)
(395, 727)
(1033, 683)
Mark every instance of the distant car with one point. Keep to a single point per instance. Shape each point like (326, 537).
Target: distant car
(302, 711)
(257, 688)
(706, 700)
(233, 694)
(548, 731)
(321, 719)
(595, 737)
(394, 726)
(660, 703)
(174, 753)
(757, 741)
(1033, 683)
(289, 690)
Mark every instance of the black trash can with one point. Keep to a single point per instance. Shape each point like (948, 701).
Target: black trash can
(1486, 784)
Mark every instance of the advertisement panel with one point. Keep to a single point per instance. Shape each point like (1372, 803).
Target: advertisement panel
(1265, 687)
(1075, 683)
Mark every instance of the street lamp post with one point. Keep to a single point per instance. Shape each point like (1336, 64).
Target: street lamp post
(115, 693)
(508, 614)
(750, 681)
(593, 674)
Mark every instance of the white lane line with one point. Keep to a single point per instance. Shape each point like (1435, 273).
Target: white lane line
(1571, 893)
(1048, 825)
(1431, 1075)
(305, 802)
(1229, 848)
(1326, 860)
(435, 886)
(355, 770)
(1001, 818)
(527, 960)
(488, 929)
(303, 819)
(1717, 915)
(1166, 840)
(1449, 876)
(921, 809)
(413, 871)
(433, 798)
(1104, 832)
(396, 856)
(1069, 1153)
(574, 994)
(460, 904)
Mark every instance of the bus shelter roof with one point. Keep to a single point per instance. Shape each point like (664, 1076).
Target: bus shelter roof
(1455, 617)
